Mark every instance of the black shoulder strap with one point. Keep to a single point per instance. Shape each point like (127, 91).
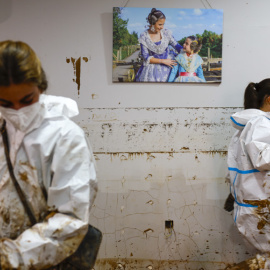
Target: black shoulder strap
(24, 201)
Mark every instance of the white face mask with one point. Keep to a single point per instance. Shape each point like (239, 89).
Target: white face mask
(22, 118)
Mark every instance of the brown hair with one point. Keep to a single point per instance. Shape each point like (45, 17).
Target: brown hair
(195, 44)
(154, 16)
(20, 64)
(256, 93)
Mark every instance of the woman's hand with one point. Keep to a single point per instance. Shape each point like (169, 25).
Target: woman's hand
(169, 62)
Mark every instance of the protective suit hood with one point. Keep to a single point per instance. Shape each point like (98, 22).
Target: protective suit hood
(58, 106)
(240, 119)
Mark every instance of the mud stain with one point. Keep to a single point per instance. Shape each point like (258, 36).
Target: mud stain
(23, 176)
(135, 264)
(76, 63)
(146, 231)
(262, 212)
(249, 264)
(221, 153)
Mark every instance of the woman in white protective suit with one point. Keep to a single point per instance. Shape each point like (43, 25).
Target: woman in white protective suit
(50, 155)
(249, 170)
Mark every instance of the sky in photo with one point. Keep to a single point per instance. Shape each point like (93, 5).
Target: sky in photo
(182, 22)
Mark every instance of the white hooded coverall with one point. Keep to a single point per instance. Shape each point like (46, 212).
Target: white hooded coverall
(249, 169)
(52, 154)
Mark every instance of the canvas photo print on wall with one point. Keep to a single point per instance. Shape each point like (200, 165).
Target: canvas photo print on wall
(167, 45)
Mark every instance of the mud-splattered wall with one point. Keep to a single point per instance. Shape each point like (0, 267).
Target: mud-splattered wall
(158, 164)
(160, 149)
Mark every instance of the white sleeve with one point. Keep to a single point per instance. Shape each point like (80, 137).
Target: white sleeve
(73, 182)
(44, 245)
(258, 143)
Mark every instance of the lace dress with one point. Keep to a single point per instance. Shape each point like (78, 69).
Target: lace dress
(161, 50)
(189, 69)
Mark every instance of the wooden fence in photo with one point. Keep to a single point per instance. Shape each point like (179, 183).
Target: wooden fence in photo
(124, 52)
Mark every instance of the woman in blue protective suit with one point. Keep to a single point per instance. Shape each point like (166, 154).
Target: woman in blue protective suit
(52, 163)
(249, 171)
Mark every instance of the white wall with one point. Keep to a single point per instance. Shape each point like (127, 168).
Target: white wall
(160, 149)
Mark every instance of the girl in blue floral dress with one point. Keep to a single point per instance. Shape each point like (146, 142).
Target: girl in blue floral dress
(157, 56)
(189, 63)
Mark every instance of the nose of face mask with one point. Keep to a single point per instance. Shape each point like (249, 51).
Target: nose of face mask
(22, 118)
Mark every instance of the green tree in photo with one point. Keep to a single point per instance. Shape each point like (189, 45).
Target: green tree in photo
(121, 36)
(119, 28)
(133, 38)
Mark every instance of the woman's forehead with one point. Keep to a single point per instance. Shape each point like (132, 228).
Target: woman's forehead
(17, 91)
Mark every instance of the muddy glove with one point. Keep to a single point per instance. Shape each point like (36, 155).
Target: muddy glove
(228, 206)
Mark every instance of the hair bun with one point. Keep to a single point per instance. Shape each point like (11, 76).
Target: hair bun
(153, 10)
(256, 86)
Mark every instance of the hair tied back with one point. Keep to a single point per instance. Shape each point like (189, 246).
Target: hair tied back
(256, 86)
(154, 16)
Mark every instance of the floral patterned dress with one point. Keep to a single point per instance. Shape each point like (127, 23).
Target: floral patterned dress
(161, 50)
(189, 69)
